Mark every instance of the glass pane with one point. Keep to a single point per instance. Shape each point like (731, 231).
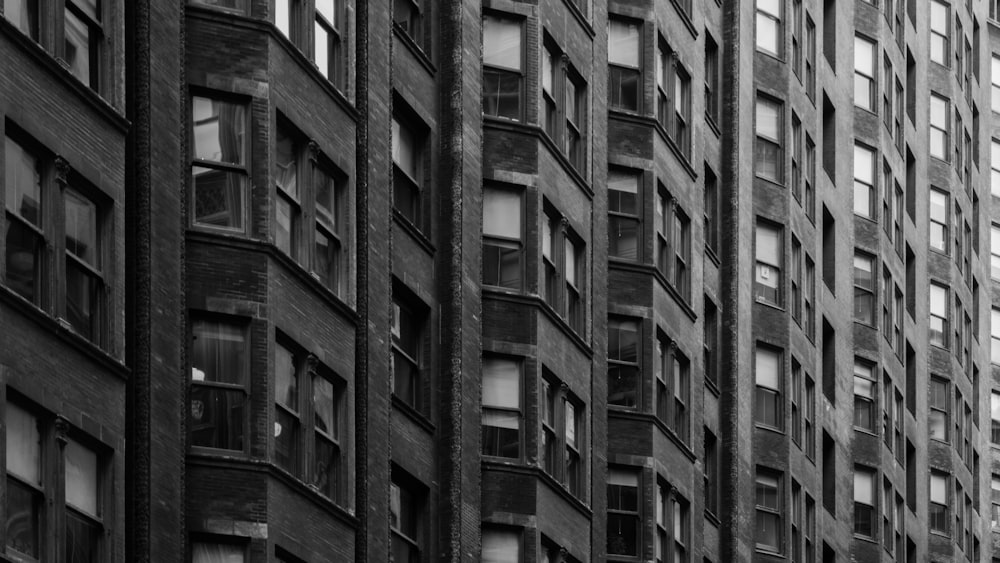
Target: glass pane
(863, 272)
(328, 9)
(570, 252)
(24, 450)
(321, 52)
(23, 259)
(286, 383)
(81, 228)
(501, 42)
(23, 183)
(282, 17)
(83, 539)
(216, 553)
(768, 245)
(939, 486)
(284, 230)
(864, 487)
(325, 470)
(500, 546)
(83, 295)
(218, 352)
(24, 15)
(286, 440)
(623, 88)
(404, 148)
(623, 238)
(77, 53)
(623, 385)
(325, 406)
(939, 112)
(768, 32)
(218, 197)
(326, 200)
(219, 130)
(768, 117)
(623, 190)
(623, 43)
(217, 417)
(623, 535)
(24, 507)
(767, 369)
(502, 213)
(326, 260)
(501, 383)
(286, 173)
(864, 57)
(81, 478)
(502, 93)
(501, 433)
(864, 164)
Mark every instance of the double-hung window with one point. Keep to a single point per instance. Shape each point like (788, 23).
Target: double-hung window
(712, 89)
(624, 64)
(624, 524)
(219, 163)
(995, 252)
(84, 276)
(938, 333)
(864, 181)
(287, 410)
(768, 252)
(219, 385)
(501, 407)
(408, 140)
(407, 321)
(562, 422)
(26, 491)
(864, 502)
(864, 288)
(673, 107)
(408, 15)
(769, 524)
(995, 83)
(938, 510)
(502, 238)
(576, 116)
(768, 146)
(939, 220)
(864, 74)
(673, 382)
(502, 66)
(560, 245)
(864, 396)
(288, 202)
(995, 336)
(329, 51)
(995, 421)
(83, 35)
(24, 258)
(995, 165)
(551, 67)
(770, 38)
(573, 272)
(768, 397)
(405, 520)
(939, 126)
(327, 451)
(940, 26)
(623, 362)
(939, 405)
(624, 223)
(329, 247)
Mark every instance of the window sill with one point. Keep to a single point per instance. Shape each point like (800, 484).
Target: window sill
(677, 440)
(712, 518)
(419, 237)
(413, 414)
(866, 432)
(768, 304)
(772, 429)
(772, 56)
(713, 387)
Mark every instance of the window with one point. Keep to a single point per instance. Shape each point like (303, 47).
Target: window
(712, 90)
(768, 149)
(711, 341)
(864, 289)
(329, 254)
(937, 420)
(673, 242)
(938, 510)
(864, 396)
(768, 376)
(501, 407)
(711, 468)
(560, 245)
(940, 25)
(995, 81)
(673, 85)
(809, 418)
(408, 15)
(810, 58)
(562, 433)
(796, 402)
(681, 526)
(864, 74)
(864, 182)
(82, 35)
(407, 340)
(23, 14)
(995, 251)
(405, 516)
(501, 545)
(673, 387)
(797, 38)
(408, 139)
(995, 165)
(711, 204)
(623, 512)
(624, 67)
(768, 509)
(573, 272)
(84, 280)
(502, 66)
(995, 424)
(287, 412)
(939, 124)
(995, 336)
(939, 315)
(551, 71)
(502, 242)
(797, 158)
(33, 495)
(25, 236)
(623, 363)
(939, 220)
(330, 51)
(219, 366)
(562, 82)
(623, 215)
(767, 280)
(576, 118)
(288, 203)
(663, 514)
(219, 169)
(770, 38)
(864, 502)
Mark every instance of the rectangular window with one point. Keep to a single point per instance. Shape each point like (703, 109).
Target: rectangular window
(864, 396)
(680, 130)
(287, 410)
(810, 58)
(407, 170)
(938, 333)
(864, 289)
(768, 252)
(864, 74)
(681, 526)
(327, 398)
(502, 66)
(408, 16)
(551, 67)
(219, 366)
(864, 181)
(711, 203)
(864, 502)
(329, 49)
(25, 493)
(712, 90)
(407, 341)
(624, 66)
(809, 418)
(995, 336)
(574, 271)
(219, 168)
(500, 545)
(501, 407)
(25, 236)
(770, 38)
(288, 202)
(84, 277)
(938, 510)
(623, 363)
(681, 240)
(623, 512)
(939, 126)
(405, 520)
(768, 510)
(205, 552)
(995, 83)
(329, 226)
(995, 427)
(797, 158)
(940, 26)
(711, 341)
(711, 468)
(502, 238)
(82, 35)
(623, 215)
(795, 280)
(939, 216)
(576, 115)
(995, 165)
(768, 376)
(83, 503)
(797, 38)
(939, 405)
(768, 127)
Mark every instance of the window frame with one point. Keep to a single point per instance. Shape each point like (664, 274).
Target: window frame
(501, 409)
(500, 241)
(241, 169)
(509, 72)
(619, 70)
(634, 366)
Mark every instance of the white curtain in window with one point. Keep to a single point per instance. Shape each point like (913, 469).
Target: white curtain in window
(502, 213)
(623, 182)
(501, 383)
(216, 553)
(81, 477)
(863, 387)
(24, 452)
(994, 413)
(570, 424)
(938, 300)
(864, 483)
(324, 407)
(502, 42)
(570, 262)
(939, 489)
(623, 43)
(767, 245)
(623, 478)
(767, 119)
(500, 547)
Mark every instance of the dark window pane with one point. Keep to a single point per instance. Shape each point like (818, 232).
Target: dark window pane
(502, 93)
(23, 183)
(623, 88)
(78, 48)
(286, 440)
(81, 229)
(623, 238)
(407, 15)
(406, 196)
(23, 258)
(767, 529)
(623, 382)
(24, 15)
(219, 130)
(286, 169)
(217, 417)
(284, 235)
(218, 353)
(501, 432)
(327, 249)
(83, 539)
(24, 507)
(218, 198)
(83, 297)
(623, 535)
(502, 264)
(325, 471)
(405, 379)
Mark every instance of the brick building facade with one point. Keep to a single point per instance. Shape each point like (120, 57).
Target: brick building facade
(560, 280)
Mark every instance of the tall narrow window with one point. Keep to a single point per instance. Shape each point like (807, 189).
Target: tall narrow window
(939, 404)
(864, 288)
(995, 336)
(939, 125)
(711, 203)
(25, 237)
(623, 215)
(83, 34)
(995, 83)
(711, 342)
(25, 495)
(995, 252)
(219, 167)
(767, 284)
(551, 68)
(288, 207)
(84, 528)
(404, 522)
(712, 91)
(767, 372)
(623, 512)
(287, 411)
(576, 115)
(864, 396)
(623, 363)
(940, 25)
(995, 164)
(682, 253)
(711, 467)
(218, 385)
(84, 277)
(864, 502)
(329, 225)
(938, 510)
(502, 66)
(329, 48)
(938, 333)
(864, 181)
(573, 257)
(407, 177)
(501, 407)
(768, 510)
(662, 547)
(768, 126)
(326, 401)
(682, 390)
(995, 422)
(770, 38)
(938, 220)
(681, 525)
(864, 74)
(624, 66)
(406, 342)
(681, 123)
(810, 58)
(572, 426)
(502, 243)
